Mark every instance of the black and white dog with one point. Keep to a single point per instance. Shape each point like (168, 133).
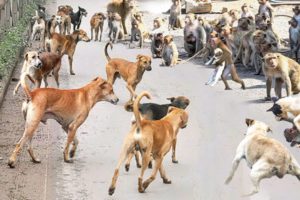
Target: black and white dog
(76, 17)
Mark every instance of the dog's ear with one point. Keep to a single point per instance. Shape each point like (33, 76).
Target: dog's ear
(95, 79)
(171, 99)
(271, 109)
(139, 57)
(249, 122)
(26, 57)
(269, 130)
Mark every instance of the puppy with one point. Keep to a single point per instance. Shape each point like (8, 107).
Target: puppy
(47, 62)
(154, 138)
(169, 52)
(131, 72)
(266, 157)
(115, 27)
(294, 35)
(218, 53)
(97, 22)
(69, 108)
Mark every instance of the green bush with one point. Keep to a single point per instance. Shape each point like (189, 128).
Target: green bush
(14, 39)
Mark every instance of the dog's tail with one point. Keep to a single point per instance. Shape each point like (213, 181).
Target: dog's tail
(25, 86)
(105, 50)
(136, 109)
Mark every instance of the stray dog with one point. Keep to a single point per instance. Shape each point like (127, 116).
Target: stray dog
(154, 138)
(265, 156)
(153, 111)
(97, 22)
(66, 44)
(115, 27)
(131, 72)
(219, 68)
(76, 17)
(287, 109)
(69, 108)
(47, 62)
(38, 29)
(169, 52)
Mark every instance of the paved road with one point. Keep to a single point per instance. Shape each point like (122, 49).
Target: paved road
(205, 148)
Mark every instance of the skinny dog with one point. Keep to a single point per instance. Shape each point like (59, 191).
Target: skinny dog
(69, 108)
(153, 138)
(131, 72)
(265, 156)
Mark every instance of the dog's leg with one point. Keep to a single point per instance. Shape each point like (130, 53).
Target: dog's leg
(158, 162)
(127, 148)
(45, 80)
(97, 34)
(74, 147)
(137, 159)
(70, 57)
(56, 75)
(131, 89)
(294, 168)
(174, 160)
(236, 161)
(17, 87)
(101, 30)
(92, 32)
(30, 151)
(163, 175)
(145, 163)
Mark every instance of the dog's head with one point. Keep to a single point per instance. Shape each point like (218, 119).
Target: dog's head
(179, 102)
(255, 127)
(58, 19)
(32, 59)
(115, 17)
(82, 11)
(41, 8)
(103, 91)
(130, 4)
(66, 9)
(100, 16)
(181, 115)
(280, 109)
(81, 35)
(144, 62)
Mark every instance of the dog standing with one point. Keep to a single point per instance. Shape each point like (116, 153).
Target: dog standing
(97, 22)
(131, 72)
(155, 138)
(115, 27)
(70, 108)
(77, 17)
(47, 62)
(66, 44)
(265, 156)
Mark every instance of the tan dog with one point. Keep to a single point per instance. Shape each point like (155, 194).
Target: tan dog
(131, 72)
(69, 108)
(64, 12)
(265, 156)
(66, 44)
(47, 62)
(153, 138)
(169, 52)
(97, 22)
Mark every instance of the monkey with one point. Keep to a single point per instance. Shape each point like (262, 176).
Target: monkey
(175, 15)
(138, 30)
(115, 27)
(169, 52)
(284, 70)
(123, 8)
(194, 35)
(294, 35)
(230, 68)
(97, 22)
(157, 45)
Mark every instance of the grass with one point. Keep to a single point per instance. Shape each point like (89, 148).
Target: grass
(13, 40)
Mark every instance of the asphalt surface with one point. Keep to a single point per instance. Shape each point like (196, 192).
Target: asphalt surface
(205, 149)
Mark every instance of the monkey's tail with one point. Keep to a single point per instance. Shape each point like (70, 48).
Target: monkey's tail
(136, 109)
(201, 52)
(25, 86)
(105, 50)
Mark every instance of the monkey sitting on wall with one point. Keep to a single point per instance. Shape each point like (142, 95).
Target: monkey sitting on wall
(194, 35)
(284, 70)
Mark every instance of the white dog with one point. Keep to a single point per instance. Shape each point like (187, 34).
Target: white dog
(219, 69)
(265, 156)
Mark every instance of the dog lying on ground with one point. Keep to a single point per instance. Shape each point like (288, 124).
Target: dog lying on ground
(153, 111)
(265, 156)
(69, 108)
(47, 62)
(219, 68)
(154, 138)
(66, 44)
(131, 72)
(97, 22)
(288, 109)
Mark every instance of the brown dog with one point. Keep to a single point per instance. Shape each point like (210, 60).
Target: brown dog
(49, 62)
(153, 138)
(97, 22)
(66, 44)
(69, 108)
(131, 72)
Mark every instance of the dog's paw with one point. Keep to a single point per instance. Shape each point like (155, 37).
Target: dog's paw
(174, 161)
(166, 181)
(228, 88)
(72, 153)
(127, 167)
(68, 160)
(268, 99)
(138, 165)
(228, 180)
(111, 190)
(36, 161)
(11, 163)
